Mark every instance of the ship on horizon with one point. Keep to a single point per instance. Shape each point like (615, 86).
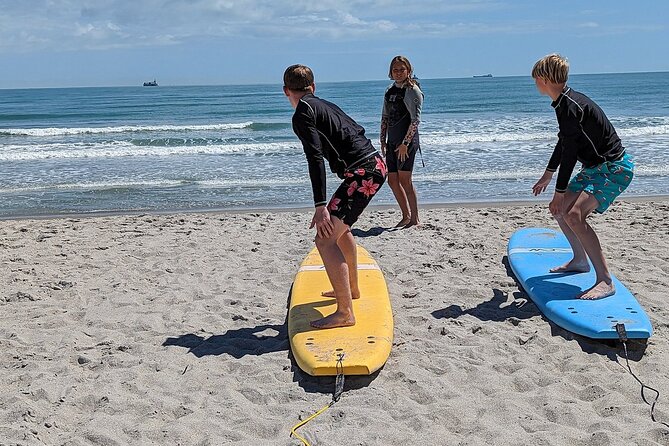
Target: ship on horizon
(483, 75)
(150, 84)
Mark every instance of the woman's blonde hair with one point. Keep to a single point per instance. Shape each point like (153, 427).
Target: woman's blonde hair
(401, 59)
(553, 68)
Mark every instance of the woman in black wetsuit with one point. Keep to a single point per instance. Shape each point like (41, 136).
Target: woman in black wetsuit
(402, 105)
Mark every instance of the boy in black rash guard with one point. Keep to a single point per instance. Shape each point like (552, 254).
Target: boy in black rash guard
(586, 135)
(326, 132)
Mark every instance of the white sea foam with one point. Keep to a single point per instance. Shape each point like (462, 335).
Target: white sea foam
(144, 184)
(439, 138)
(117, 149)
(58, 131)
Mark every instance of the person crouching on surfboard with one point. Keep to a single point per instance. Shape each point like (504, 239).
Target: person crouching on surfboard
(585, 135)
(326, 132)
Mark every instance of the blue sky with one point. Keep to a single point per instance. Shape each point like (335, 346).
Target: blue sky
(119, 42)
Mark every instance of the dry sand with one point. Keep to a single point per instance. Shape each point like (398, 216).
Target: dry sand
(170, 330)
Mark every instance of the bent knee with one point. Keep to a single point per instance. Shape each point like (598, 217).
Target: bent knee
(573, 218)
(322, 243)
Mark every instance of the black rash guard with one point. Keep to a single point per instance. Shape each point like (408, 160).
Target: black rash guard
(586, 135)
(327, 132)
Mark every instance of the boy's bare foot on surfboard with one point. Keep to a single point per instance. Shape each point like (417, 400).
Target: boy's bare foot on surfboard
(334, 320)
(331, 293)
(599, 291)
(571, 267)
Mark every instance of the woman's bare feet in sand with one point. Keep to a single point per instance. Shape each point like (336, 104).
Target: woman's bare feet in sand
(571, 267)
(412, 223)
(334, 320)
(403, 222)
(331, 293)
(599, 291)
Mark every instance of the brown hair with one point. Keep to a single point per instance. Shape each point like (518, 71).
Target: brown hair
(298, 78)
(553, 68)
(401, 59)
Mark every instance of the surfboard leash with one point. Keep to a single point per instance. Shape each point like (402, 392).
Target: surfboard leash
(622, 336)
(339, 389)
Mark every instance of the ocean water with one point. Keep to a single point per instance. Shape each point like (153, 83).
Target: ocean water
(81, 150)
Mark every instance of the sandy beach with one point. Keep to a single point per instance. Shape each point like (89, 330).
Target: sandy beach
(170, 330)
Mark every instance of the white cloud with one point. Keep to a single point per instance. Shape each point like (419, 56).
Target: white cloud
(92, 24)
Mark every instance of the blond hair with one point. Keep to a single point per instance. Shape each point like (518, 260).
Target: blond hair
(553, 68)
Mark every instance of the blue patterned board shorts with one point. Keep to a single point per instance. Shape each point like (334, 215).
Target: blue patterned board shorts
(605, 181)
(356, 191)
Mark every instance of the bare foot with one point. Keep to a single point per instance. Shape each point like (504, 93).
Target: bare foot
(412, 223)
(571, 267)
(331, 293)
(334, 320)
(405, 221)
(599, 291)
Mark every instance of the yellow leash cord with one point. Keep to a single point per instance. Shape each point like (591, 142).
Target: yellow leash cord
(339, 388)
(302, 423)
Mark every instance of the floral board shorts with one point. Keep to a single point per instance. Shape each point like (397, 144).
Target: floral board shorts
(356, 191)
(605, 181)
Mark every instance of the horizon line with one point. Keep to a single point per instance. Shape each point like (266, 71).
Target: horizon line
(320, 82)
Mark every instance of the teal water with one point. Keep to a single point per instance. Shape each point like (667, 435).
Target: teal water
(80, 150)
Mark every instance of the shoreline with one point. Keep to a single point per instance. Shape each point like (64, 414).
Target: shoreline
(292, 209)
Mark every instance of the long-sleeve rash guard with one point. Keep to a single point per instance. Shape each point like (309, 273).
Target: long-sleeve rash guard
(327, 132)
(586, 135)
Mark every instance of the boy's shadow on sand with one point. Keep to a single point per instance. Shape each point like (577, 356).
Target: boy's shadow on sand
(371, 232)
(260, 340)
(523, 308)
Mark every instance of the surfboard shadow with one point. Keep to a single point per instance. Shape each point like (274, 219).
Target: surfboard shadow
(260, 340)
(239, 342)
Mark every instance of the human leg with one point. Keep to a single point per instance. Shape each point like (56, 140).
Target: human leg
(406, 183)
(394, 183)
(338, 272)
(339, 252)
(348, 248)
(400, 197)
(575, 218)
(579, 263)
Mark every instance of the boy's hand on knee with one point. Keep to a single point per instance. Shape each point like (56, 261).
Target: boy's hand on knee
(557, 204)
(322, 221)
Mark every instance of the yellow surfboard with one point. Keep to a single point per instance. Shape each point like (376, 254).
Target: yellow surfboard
(365, 346)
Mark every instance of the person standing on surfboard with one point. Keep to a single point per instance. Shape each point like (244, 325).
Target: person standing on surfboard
(586, 135)
(327, 133)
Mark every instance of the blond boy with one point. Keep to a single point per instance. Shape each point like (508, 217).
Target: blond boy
(587, 136)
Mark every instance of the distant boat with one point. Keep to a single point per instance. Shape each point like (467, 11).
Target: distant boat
(483, 75)
(151, 84)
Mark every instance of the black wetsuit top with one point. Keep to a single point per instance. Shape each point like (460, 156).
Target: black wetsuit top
(586, 135)
(399, 118)
(327, 132)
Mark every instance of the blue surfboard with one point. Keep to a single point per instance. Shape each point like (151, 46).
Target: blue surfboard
(534, 251)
